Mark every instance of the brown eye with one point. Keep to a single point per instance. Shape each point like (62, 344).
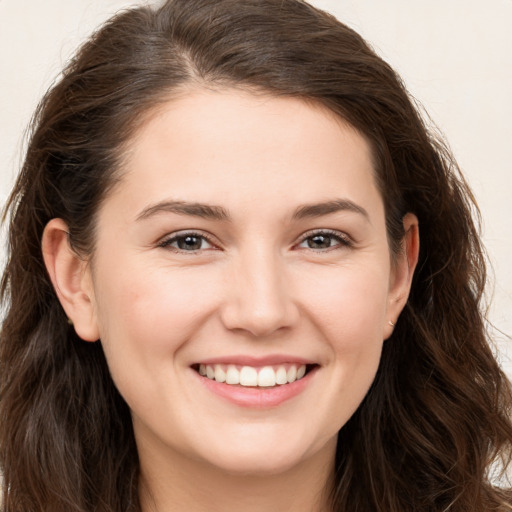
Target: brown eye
(187, 242)
(320, 241)
(324, 240)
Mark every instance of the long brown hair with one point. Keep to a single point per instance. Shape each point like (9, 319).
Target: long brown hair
(437, 418)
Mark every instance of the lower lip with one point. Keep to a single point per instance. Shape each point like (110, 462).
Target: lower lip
(258, 398)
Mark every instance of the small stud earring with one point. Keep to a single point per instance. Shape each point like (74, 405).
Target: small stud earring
(391, 323)
(70, 322)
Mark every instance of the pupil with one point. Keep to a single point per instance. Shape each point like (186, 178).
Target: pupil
(191, 243)
(319, 242)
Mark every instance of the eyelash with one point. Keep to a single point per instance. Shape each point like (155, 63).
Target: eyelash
(176, 237)
(341, 238)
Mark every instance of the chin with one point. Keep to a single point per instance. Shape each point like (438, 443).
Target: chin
(255, 458)
(258, 465)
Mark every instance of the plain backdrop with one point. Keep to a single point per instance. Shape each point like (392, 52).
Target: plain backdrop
(455, 56)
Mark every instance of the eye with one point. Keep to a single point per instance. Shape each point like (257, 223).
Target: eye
(324, 240)
(187, 242)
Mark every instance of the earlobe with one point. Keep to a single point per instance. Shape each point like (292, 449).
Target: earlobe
(402, 272)
(71, 279)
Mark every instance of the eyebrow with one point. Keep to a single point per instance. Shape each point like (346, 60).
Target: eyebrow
(213, 212)
(204, 211)
(337, 205)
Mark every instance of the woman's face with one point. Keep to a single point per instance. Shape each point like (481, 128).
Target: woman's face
(246, 240)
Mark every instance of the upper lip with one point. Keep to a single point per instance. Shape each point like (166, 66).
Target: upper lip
(244, 360)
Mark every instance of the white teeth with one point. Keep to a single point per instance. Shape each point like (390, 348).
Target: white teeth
(232, 375)
(248, 376)
(220, 374)
(281, 375)
(291, 374)
(266, 376)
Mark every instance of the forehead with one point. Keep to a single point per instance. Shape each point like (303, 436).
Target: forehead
(237, 147)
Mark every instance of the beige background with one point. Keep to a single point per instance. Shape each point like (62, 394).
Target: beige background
(454, 55)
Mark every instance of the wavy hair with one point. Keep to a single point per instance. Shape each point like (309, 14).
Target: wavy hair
(437, 417)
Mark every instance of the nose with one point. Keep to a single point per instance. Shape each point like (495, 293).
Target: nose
(259, 297)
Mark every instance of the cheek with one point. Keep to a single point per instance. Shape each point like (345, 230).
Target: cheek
(348, 305)
(153, 304)
(355, 327)
(349, 312)
(146, 315)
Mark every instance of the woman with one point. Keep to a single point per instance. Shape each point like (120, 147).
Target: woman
(216, 292)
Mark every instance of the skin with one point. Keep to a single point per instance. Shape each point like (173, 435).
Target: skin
(256, 286)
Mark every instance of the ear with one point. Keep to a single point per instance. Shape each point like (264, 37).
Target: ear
(402, 272)
(71, 279)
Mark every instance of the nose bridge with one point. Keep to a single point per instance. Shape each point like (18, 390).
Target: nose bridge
(259, 299)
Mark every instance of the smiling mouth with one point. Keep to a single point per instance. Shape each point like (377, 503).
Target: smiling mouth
(251, 376)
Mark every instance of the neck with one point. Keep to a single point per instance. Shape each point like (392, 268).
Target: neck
(184, 484)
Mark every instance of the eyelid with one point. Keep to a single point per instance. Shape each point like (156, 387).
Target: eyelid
(165, 241)
(345, 240)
